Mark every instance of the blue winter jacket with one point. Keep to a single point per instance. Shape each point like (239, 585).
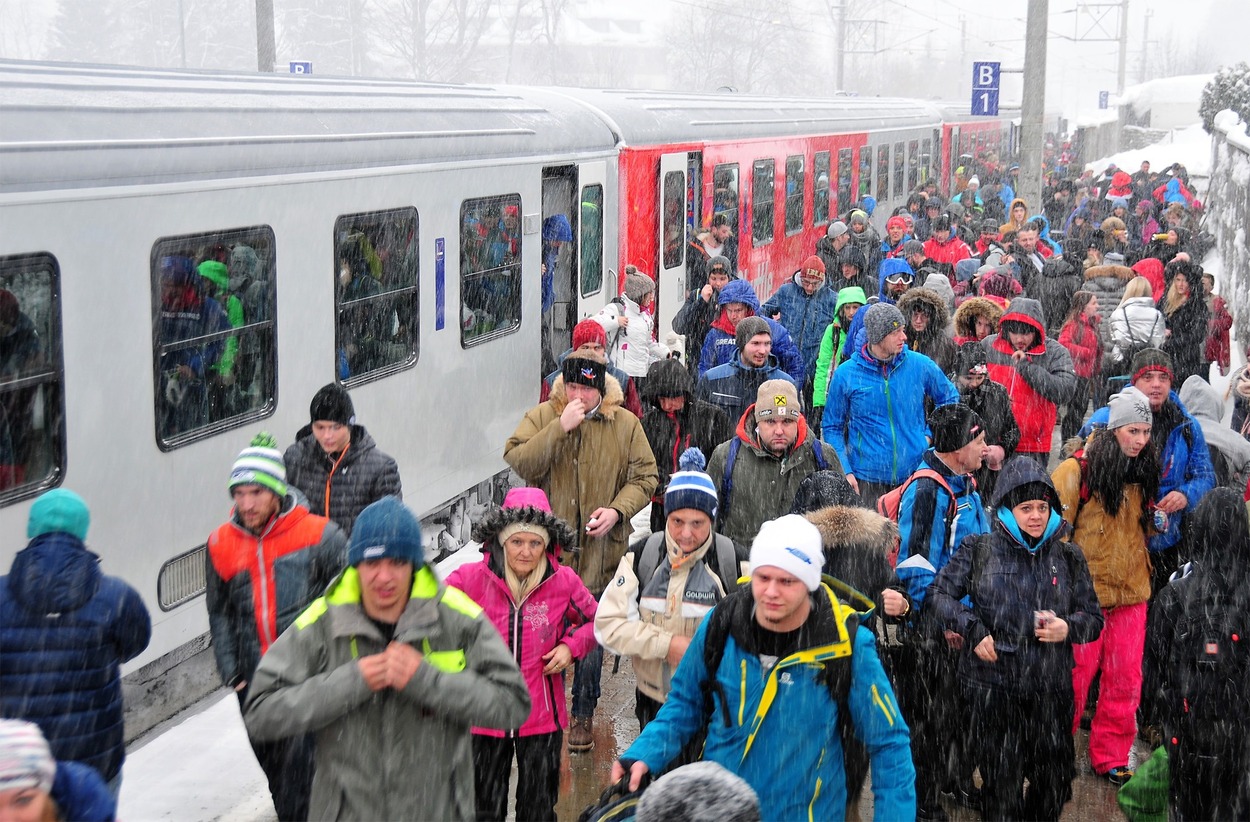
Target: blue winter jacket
(733, 387)
(65, 630)
(875, 413)
(720, 347)
(857, 337)
(1186, 467)
(778, 728)
(926, 539)
(805, 317)
(1015, 580)
(81, 794)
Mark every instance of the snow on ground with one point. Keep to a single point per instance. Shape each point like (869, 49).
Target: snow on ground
(199, 766)
(1191, 147)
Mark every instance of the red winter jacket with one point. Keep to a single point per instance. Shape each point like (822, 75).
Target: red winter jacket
(1217, 347)
(949, 252)
(1080, 337)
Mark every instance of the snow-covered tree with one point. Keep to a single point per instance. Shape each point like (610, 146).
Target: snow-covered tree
(1230, 88)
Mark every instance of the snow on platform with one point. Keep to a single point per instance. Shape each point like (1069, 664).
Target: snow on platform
(1189, 146)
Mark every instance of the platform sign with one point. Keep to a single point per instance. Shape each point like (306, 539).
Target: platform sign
(985, 86)
(1104, 99)
(300, 68)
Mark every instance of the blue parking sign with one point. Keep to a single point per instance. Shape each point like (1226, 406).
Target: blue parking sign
(301, 68)
(985, 102)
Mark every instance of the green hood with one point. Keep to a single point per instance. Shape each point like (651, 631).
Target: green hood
(215, 272)
(851, 294)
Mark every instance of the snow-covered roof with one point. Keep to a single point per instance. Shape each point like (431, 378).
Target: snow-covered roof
(1097, 117)
(1191, 147)
(1166, 90)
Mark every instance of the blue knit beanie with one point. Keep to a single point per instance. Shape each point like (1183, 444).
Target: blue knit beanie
(60, 511)
(690, 487)
(386, 530)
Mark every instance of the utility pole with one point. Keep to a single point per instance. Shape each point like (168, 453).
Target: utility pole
(963, 50)
(1033, 103)
(1145, 48)
(842, 45)
(1119, 77)
(266, 50)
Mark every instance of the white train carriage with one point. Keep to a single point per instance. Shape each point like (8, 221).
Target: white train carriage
(115, 184)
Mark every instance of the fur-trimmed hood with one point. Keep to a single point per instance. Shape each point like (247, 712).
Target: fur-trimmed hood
(1119, 272)
(930, 301)
(844, 527)
(967, 313)
(613, 396)
(486, 530)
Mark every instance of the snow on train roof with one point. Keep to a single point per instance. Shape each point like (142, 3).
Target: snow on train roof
(660, 117)
(71, 126)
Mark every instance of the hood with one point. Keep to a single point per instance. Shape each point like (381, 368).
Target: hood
(1058, 267)
(821, 489)
(667, 378)
(1201, 399)
(739, 291)
(1118, 272)
(967, 313)
(889, 268)
(850, 294)
(1021, 471)
(1041, 220)
(1028, 311)
(1221, 539)
(852, 255)
(486, 530)
(556, 227)
(928, 300)
(1150, 268)
(938, 283)
(55, 573)
(244, 266)
(965, 270)
(215, 272)
(1016, 202)
(851, 527)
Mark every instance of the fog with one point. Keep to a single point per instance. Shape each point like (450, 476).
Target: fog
(894, 47)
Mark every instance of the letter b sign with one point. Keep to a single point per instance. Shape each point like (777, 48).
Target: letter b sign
(985, 75)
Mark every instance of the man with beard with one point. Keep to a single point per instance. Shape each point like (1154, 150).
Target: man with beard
(732, 387)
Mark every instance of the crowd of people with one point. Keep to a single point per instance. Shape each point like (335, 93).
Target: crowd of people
(867, 549)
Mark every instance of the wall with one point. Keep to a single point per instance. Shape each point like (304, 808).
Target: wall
(1228, 203)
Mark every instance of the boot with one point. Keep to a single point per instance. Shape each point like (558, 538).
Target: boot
(580, 738)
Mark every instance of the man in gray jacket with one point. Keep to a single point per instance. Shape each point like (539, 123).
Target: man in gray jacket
(390, 670)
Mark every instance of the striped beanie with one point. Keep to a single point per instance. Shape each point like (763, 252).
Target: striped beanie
(260, 464)
(25, 759)
(689, 487)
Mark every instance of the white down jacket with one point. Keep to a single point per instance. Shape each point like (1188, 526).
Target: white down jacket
(631, 348)
(1135, 323)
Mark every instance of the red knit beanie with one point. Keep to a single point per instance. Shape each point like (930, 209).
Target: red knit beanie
(589, 331)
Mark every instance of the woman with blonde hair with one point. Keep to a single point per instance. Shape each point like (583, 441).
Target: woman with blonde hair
(1135, 326)
(1185, 314)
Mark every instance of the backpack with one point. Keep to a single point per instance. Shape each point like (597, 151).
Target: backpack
(1134, 346)
(1209, 656)
(723, 555)
(888, 504)
(727, 482)
(617, 803)
(615, 338)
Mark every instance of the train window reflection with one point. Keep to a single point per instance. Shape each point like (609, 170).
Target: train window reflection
(763, 208)
(846, 168)
(820, 191)
(795, 188)
(926, 159)
(213, 311)
(913, 164)
(674, 211)
(725, 193)
(883, 174)
(900, 167)
(375, 294)
(592, 239)
(865, 174)
(32, 428)
(490, 268)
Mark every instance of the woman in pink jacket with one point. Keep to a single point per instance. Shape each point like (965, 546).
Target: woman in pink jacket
(546, 616)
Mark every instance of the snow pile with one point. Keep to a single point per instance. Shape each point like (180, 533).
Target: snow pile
(1233, 129)
(1191, 147)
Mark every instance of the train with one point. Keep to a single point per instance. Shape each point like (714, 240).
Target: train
(384, 234)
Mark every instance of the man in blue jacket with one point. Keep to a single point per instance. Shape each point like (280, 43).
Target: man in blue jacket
(738, 301)
(732, 387)
(65, 630)
(875, 416)
(1187, 471)
(805, 306)
(934, 518)
(783, 678)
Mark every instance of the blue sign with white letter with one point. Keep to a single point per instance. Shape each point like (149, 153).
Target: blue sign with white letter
(985, 85)
(301, 68)
(1104, 99)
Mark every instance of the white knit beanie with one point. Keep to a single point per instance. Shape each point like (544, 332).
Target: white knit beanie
(792, 544)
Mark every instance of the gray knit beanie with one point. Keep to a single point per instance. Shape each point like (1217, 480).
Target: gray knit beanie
(881, 320)
(748, 327)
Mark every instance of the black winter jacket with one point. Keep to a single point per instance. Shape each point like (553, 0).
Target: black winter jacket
(363, 475)
(698, 425)
(992, 404)
(1053, 288)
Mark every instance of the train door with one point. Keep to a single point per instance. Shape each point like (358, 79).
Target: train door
(674, 202)
(560, 257)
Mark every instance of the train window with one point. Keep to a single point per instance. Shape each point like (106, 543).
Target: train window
(725, 193)
(490, 268)
(913, 164)
(926, 159)
(763, 208)
(820, 193)
(935, 168)
(213, 308)
(954, 147)
(865, 175)
(375, 303)
(795, 189)
(32, 372)
(900, 169)
(883, 174)
(591, 245)
(674, 219)
(846, 168)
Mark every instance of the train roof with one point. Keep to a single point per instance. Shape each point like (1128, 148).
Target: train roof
(961, 112)
(661, 117)
(65, 126)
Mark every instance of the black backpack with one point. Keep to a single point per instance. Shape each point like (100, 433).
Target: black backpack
(1210, 653)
